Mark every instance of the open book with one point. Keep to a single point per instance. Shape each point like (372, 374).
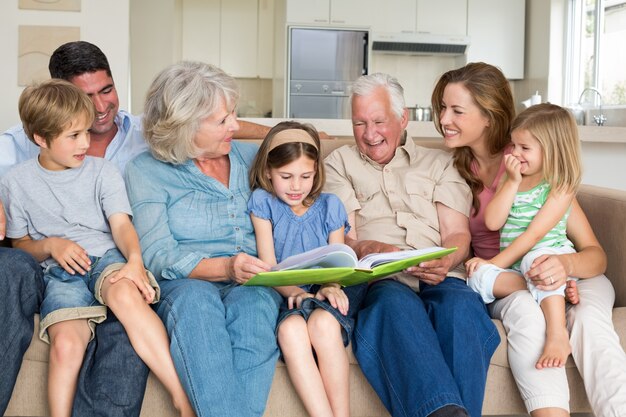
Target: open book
(338, 263)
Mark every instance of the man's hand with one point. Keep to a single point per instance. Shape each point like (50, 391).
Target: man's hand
(432, 272)
(365, 247)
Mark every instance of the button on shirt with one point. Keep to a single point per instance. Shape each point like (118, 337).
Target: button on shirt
(15, 147)
(396, 203)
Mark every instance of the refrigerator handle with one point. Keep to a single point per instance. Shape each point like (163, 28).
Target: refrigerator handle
(365, 53)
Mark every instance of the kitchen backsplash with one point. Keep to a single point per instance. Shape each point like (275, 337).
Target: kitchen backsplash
(256, 97)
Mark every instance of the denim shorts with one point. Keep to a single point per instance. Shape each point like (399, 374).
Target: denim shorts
(355, 294)
(76, 297)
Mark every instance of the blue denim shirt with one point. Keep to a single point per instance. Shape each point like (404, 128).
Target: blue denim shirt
(15, 147)
(183, 216)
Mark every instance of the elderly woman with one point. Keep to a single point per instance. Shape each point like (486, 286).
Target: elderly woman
(189, 197)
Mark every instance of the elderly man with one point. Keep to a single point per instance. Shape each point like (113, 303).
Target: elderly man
(423, 339)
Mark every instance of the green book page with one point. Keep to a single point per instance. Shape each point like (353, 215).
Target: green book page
(343, 276)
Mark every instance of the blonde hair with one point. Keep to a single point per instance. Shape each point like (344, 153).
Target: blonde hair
(281, 155)
(179, 98)
(555, 129)
(491, 92)
(46, 109)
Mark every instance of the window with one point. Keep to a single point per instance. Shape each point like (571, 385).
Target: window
(596, 52)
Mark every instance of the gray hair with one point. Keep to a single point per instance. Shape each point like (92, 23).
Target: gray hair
(179, 98)
(366, 84)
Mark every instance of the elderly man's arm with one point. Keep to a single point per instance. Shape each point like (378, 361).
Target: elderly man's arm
(454, 230)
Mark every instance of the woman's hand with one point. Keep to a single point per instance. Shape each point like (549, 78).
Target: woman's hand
(335, 296)
(432, 272)
(242, 267)
(549, 272)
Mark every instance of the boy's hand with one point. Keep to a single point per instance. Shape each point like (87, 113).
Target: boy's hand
(513, 168)
(69, 255)
(335, 296)
(136, 272)
(473, 264)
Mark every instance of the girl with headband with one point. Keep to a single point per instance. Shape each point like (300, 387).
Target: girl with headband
(291, 215)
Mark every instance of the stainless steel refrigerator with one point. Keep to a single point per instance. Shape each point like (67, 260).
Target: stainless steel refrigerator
(322, 65)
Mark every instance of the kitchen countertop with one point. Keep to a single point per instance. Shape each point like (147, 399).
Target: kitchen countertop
(426, 130)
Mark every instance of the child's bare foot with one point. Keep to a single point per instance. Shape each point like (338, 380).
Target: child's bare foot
(571, 292)
(556, 350)
(184, 407)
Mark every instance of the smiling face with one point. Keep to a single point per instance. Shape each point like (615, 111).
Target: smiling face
(527, 150)
(68, 149)
(462, 121)
(101, 90)
(215, 134)
(293, 182)
(377, 129)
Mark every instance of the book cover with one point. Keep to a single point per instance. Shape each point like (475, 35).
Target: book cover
(338, 263)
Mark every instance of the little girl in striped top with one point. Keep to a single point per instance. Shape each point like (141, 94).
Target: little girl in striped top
(530, 208)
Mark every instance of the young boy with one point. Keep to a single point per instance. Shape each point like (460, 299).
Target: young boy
(70, 211)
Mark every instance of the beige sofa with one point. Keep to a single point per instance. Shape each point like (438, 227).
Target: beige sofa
(606, 210)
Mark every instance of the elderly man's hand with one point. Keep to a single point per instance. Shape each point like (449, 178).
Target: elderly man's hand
(3, 222)
(432, 272)
(365, 247)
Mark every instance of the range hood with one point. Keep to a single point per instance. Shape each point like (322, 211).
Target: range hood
(419, 43)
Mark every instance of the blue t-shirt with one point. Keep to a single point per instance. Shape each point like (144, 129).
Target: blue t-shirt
(295, 234)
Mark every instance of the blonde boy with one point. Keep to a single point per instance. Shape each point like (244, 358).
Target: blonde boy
(70, 211)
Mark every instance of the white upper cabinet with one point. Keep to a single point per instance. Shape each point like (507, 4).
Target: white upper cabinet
(395, 16)
(239, 35)
(442, 17)
(201, 31)
(308, 11)
(496, 31)
(265, 52)
(332, 12)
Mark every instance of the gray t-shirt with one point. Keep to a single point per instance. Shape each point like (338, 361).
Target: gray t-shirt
(72, 204)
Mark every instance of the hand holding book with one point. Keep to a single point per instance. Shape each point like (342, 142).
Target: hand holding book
(338, 263)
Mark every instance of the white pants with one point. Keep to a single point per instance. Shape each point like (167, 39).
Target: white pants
(596, 349)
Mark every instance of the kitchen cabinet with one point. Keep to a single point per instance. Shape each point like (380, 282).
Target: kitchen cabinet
(238, 38)
(201, 31)
(496, 31)
(442, 17)
(331, 12)
(396, 16)
(236, 35)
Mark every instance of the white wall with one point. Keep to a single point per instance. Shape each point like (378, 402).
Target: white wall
(104, 23)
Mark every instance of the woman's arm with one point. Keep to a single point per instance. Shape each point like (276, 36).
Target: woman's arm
(546, 219)
(588, 262)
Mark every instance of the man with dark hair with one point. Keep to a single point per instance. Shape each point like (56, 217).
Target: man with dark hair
(115, 134)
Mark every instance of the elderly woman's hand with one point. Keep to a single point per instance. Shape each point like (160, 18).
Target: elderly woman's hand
(242, 267)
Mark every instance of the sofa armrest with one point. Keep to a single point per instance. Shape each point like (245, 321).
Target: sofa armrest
(606, 210)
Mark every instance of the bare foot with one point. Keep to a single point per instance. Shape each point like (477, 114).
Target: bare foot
(571, 292)
(556, 350)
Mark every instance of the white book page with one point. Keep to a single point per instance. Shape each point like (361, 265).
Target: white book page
(375, 259)
(330, 256)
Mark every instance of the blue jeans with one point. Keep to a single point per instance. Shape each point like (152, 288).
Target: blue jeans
(21, 289)
(112, 379)
(423, 351)
(222, 343)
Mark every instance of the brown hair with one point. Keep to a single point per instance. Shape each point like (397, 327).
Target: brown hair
(48, 108)
(284, 154)
(492, 94)
(555, 129)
